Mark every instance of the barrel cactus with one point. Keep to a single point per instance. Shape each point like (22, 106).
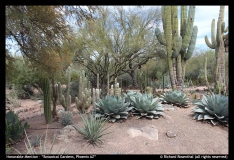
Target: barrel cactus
(145, 105)
(175, 97)
(112, 107)
(213, 108)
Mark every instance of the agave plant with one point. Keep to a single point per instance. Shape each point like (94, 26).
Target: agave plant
(146, 106)
(175, 97)
(128, 95)
(113, 108)
(213, 108)
(94, 129)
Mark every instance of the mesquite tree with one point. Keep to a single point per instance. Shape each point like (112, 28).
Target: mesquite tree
(179, 48)
(220, 44)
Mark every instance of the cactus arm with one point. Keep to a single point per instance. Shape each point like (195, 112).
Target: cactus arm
(183, 15)
(189, 29)
(219, 33)
(160, 37)
(191, 44)
(208, 43)
(177, 47)
(225, 30)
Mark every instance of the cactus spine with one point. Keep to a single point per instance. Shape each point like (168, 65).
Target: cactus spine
(47, 106)
(220, 44)
(65, 101)
(178, 47)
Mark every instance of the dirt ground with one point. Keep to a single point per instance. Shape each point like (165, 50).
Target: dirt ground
(192, 137)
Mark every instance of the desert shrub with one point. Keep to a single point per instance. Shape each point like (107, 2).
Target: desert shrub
(13, 127)
(35, 140)
(65, 118)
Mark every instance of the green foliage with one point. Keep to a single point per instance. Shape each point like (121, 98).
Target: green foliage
(12, 100)
(66, 118)
(147, 106)
(213, 108)
(13, 127)
(74, 90)
(93, 129)
(112, 107)
(175, 97)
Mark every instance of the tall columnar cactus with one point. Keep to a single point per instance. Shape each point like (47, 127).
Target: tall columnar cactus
(65, 101)
(220, 44)
(47, 106)
(178, 47)
(84, 99)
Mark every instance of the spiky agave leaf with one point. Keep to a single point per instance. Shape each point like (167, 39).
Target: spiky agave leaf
(175, 97)
(113, 108)
(213, 108)
(146, 106)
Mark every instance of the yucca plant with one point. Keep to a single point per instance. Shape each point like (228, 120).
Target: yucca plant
(176, 97)
(213, 108)
(65, 118)
(93, 130)
(147, 106)
(112, 107)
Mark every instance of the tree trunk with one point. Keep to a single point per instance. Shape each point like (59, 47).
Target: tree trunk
(134, 79)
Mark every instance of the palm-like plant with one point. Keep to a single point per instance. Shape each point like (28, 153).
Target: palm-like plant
(175, 97)
(213, 108)
(113, 108)
(147, 106)
(93, 129)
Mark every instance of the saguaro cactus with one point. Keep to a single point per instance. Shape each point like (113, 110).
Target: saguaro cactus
(47, 106)
(220, 44)
(179, 48)
(65, 101)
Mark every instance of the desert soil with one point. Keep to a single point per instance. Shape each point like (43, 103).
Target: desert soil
(192, 137)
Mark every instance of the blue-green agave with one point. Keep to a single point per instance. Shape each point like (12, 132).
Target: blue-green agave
(175, 97)
(213, 108)
(128, 95)
(147, 106)
(113, 108)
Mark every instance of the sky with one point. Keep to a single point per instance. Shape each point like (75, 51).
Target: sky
(203, 18)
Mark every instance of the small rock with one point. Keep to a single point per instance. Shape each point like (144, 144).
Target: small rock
(171, 134)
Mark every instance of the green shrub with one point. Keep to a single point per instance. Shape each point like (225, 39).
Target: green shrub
(13, 127)
(74, 89)
(93, 130)
(65, 118)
